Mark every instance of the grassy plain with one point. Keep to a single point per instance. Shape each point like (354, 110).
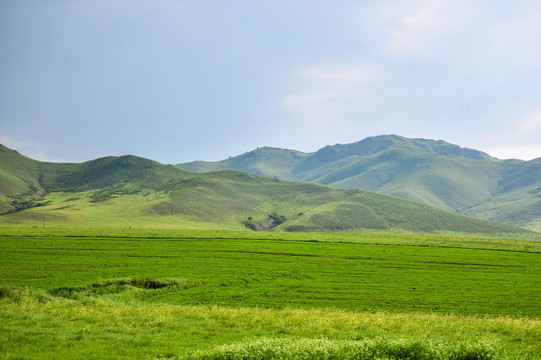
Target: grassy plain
(74, 293)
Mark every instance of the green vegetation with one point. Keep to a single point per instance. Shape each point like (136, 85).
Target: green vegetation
(129, 191)
(271, 221)
(349, 271)
(431, 172)
(120, 288)
(72, 293)
(35, 325)
(368, 349)
(277, 219)
(145, 290)
(23, 205)
(267, 161)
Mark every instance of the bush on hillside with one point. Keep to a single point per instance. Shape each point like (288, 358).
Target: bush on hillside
(278, 219)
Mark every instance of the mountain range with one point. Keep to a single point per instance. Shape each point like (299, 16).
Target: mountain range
(431, 172)
(131, 191)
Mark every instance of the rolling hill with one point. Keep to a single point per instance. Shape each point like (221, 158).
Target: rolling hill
(431, 172)
(132, 191)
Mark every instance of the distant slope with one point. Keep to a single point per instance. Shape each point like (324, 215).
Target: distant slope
(23, 178)
(266, 161)
(132, 191)
(517, 195)
(430, 172)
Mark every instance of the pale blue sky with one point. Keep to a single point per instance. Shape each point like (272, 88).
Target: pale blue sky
(177, 81)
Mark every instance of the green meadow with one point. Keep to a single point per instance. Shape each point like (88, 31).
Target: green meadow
(216, 294)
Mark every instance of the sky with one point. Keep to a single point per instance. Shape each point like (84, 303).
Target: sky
(178, 81)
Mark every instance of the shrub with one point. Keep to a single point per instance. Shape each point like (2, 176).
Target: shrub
(278, 219)
(7, 292)
(250, 225)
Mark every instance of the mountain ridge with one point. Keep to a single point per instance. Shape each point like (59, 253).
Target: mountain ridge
(433, 172)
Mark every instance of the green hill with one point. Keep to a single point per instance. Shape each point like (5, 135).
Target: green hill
(25, 179)
(431, 172)
(131, 191)
(266, 161)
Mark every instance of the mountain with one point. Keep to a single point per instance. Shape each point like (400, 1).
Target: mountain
(431, 172)
(132, 191)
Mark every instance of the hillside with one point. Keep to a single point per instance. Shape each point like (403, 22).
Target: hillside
(431, 172)
(25, 179)
(266, 161)
(131, 191)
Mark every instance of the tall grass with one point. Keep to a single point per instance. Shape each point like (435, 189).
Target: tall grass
(366, 349)
(126, 289)
(38, 325)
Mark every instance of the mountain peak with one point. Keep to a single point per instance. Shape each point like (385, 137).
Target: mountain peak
(375, 144)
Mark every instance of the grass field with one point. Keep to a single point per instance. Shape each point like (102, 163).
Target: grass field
(103, 293)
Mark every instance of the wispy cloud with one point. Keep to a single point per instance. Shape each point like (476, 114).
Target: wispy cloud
(423, 23)
(522, 152)
(316, 108)
(356, 74)
(530, 125)
(521, 141)
(320, 95)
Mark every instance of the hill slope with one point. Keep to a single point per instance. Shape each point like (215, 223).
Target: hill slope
(128, 190)
(432, 172)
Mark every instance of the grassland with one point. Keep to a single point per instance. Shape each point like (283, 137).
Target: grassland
(227, 200)
(129, 293)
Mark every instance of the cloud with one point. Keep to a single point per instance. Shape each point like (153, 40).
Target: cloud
(416, 27)
(426, 23)
(525, 131)
(520, 141)
(330, 84)
(315, 107)
(358, 74)
(320, 96)
(529, 125)
(522, 152)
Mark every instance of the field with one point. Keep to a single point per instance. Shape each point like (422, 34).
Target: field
(103, 292)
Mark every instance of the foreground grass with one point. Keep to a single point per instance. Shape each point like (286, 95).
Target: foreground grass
(366, 349)
(37, 325)
(126, 293)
